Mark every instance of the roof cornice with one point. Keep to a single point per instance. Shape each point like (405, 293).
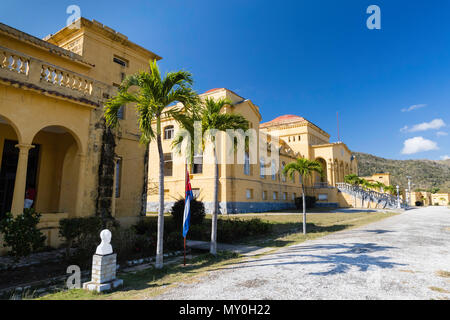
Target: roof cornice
(42, 44)
(103, 30)
(301, 123)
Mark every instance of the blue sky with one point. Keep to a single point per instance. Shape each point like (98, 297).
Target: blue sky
(310, 58)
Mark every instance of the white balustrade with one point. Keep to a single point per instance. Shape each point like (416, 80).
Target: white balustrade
(65, 79)
(24, 68)
(14, 63)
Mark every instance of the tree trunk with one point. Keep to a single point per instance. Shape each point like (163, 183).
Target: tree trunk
(304, 209)
(145, 188)
(213, 248)
(159, 245)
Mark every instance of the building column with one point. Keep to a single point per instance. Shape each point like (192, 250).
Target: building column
(21, 179)
(337, 169)
(80, 187)
(330, 173)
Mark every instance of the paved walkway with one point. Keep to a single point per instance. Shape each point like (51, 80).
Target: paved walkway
(402, 257)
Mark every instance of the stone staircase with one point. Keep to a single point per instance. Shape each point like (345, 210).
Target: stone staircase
(366, 198)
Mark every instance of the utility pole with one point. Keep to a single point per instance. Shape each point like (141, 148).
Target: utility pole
(398, 197)
(409, 191)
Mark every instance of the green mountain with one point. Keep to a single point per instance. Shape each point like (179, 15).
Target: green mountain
(425, 174)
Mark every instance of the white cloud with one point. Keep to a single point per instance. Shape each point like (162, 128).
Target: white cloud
(442, 134)
(418, 144)
(436, 124)
(446, 157)
(414, 107)
(404, 129)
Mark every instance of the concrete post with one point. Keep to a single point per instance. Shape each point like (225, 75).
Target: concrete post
(21, 179)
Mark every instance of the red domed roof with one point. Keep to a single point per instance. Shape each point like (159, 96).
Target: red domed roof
(288, 118)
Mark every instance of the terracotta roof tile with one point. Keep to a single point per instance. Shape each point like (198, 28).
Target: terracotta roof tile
(288, 118)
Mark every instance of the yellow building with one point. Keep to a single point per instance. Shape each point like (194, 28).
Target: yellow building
(440, 199)
(255, 185)
(52, 132)
(421, 196)
(384, 178)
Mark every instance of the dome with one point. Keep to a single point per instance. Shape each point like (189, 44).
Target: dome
(288, 118)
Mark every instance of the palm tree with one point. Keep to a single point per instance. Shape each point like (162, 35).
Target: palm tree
(390, 189)
(368, 186)
(355, 181)
(212, 119)
(305, 168)
(151, 94)
(379, 186)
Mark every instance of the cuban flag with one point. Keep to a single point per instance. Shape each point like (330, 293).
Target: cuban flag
(187, 206)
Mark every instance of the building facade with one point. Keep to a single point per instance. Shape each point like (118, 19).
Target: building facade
(53, 136)
(384, 178)
(440, 199)
(255, 185)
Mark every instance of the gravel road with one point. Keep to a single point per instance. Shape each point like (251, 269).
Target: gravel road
(402, 257)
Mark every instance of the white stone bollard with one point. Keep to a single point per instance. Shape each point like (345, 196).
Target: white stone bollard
(103, 267)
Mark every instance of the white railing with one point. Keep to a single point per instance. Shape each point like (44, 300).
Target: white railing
(381, 199)
(65, 79)
(15, 63)
(18, 66)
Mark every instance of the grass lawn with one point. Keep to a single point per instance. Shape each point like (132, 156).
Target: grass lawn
(151, 282)
(286, 231)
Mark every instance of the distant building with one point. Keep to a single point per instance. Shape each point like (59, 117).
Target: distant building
(384, 178)
(423, 197)
(441, 199)
(248, 187)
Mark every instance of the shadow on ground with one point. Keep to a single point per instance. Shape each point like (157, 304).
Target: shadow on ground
(335, 258)
(290, 228)
(149, 278)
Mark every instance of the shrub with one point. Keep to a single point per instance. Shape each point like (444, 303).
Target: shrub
(419, 203)
(21, 233)
(129, 245)
(76, 231)
(231, 230)
(310, 202)
(85, 248)
(149, 226)
(197, 212)
(144, 245)
(146, 226)
(83, 234)
(174, 241)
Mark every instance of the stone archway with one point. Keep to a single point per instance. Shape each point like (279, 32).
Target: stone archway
(9, 155)
(322, 179)
(58, 175)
